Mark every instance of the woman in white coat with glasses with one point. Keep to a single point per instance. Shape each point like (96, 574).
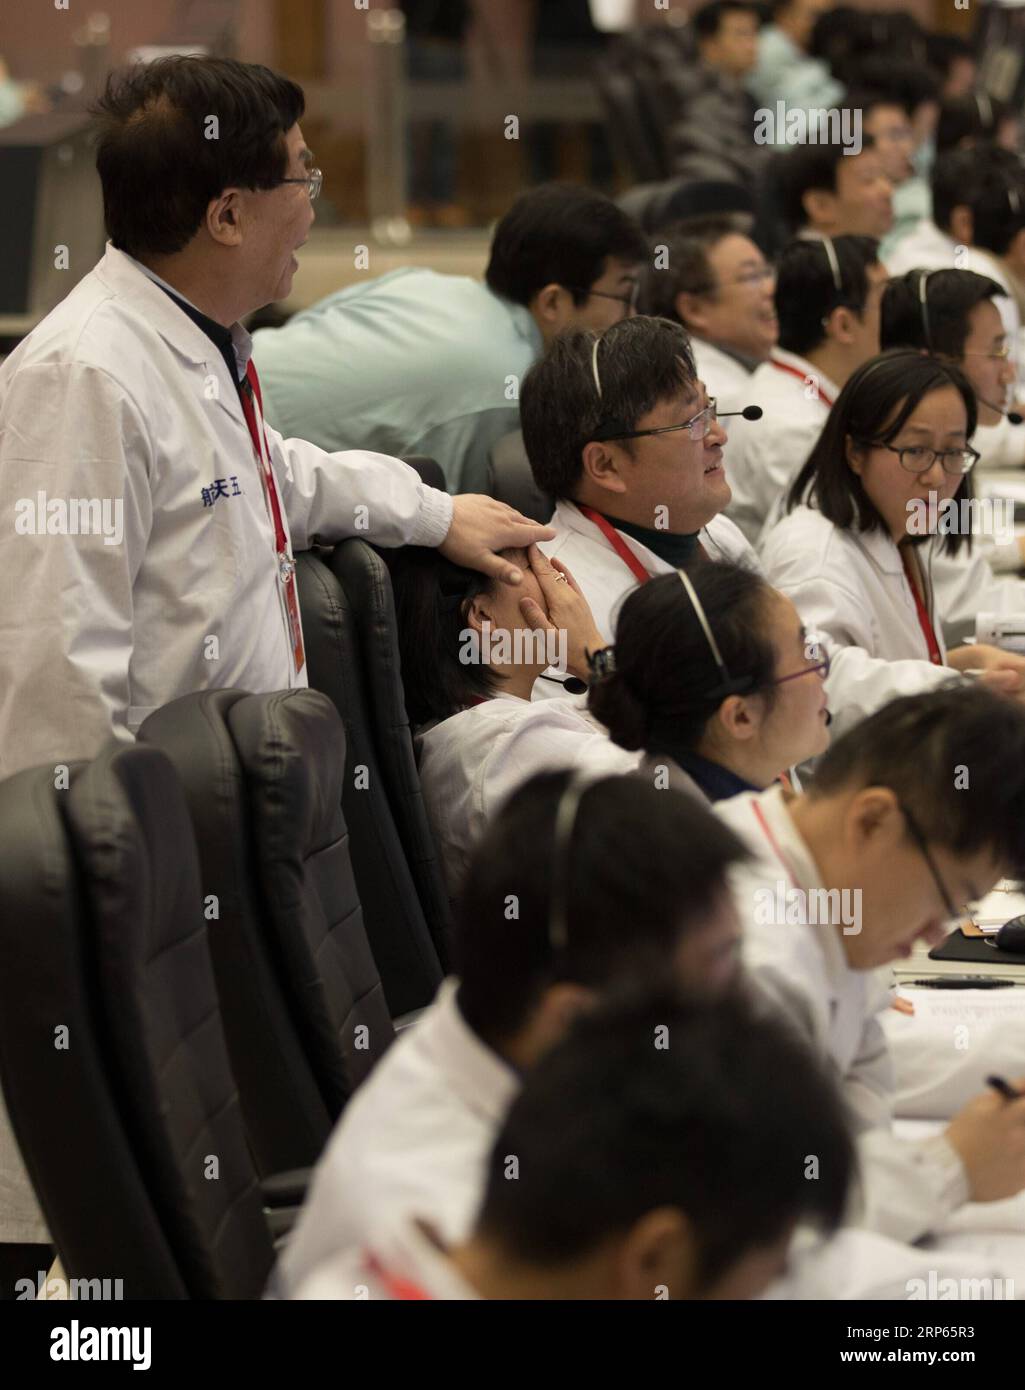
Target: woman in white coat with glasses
(870, 509)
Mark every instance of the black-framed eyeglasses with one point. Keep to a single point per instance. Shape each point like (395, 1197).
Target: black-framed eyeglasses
(698, 426)
(916, 458)
(630, 300)
(313, 180)
(953, 914)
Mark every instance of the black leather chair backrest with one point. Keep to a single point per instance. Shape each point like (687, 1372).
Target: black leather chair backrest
(406, 956)
(366, 581)
(511, 479)
(129, 1122)
(304, 1011)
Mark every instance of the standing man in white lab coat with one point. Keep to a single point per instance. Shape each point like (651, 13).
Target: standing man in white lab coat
(150, 518)
(883, 851)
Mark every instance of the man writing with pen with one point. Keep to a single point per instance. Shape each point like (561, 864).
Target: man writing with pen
(912, 814)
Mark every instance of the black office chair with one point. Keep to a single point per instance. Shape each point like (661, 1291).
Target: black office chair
(405, 952)
(112, 1057)
(510, 479)
(304, 1012)
(364, 577)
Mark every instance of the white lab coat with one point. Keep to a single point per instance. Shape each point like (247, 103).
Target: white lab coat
(403, 1262)
(965, 585)
(906, 1188)
(470, 763)
(413, 1141)
(924, 247)
(117, 394)
(723, 376)
(851, 586)
(763, 456)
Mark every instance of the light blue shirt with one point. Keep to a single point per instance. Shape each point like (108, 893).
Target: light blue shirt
(784, 73)
(414, 362)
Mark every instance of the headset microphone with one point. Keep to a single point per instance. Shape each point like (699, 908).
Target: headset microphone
(750, 412)
(1012, 416)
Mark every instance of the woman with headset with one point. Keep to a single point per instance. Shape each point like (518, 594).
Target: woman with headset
(880, 495)
(713, 680)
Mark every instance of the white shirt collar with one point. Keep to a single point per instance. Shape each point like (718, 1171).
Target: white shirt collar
(484, 1082)
(807, 369)
(241, 340)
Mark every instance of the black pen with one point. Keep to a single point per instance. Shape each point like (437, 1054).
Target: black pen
(1008, 1092)
(958, 982)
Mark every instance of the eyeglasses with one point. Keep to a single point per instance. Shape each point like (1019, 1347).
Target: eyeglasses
(953, 914)
(917, 459)
(697, 427)
(819, 668)
(1000, 355)
(749, 277)
(630, 300)
(313, 181)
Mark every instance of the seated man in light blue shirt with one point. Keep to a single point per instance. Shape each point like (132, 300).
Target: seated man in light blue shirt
(785, 71)
(417, 362)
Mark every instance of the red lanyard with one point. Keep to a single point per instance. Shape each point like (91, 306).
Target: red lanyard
(248, 389)
(760, 817)
(924, 621)
(805, 377)
(403, 1290)
(618, 544)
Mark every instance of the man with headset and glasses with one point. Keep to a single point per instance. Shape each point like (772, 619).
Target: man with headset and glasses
(619, 430)
(882, 852)
(577, 892)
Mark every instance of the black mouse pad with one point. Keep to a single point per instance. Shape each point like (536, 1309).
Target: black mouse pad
(960, 947)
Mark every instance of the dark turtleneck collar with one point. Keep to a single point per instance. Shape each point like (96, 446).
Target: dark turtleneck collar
(717, 782)
(676, 549)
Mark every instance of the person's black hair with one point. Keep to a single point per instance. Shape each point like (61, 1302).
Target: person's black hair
(707, 21)
(432, 596)
(998, 206)
(707, 1109)
(951, 295)
(642, 867)
(667, 684)
(876, 401)
(641, 361)
(944, 50)
(953, 179)
(158, 164)
(917, 744)
(806, 293)
(804, 168)
(560, 234)
(684, 268)
(969, 119)
(892, 82)
(840, 35)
